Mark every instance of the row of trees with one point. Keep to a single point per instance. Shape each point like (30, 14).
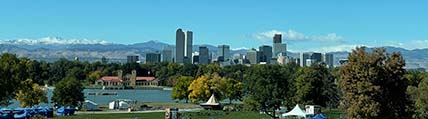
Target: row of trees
(20, 79)
(372, 85)
(260, 87)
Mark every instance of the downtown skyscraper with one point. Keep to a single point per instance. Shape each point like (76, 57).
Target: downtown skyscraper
(279, 48)
(179, 45)
(223, 53)
(183, 42)
(204, 55)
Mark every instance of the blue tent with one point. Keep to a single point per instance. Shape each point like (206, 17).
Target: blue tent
(21, 113)
(49, 111)
(42, 111)
(32, 111)
(69, 110)
(6, 113)
(319, 116)
(60, 111)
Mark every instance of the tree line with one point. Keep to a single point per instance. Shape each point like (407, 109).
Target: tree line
(371, 85)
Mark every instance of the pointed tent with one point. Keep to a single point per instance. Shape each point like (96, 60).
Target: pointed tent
(212, 101)
(296, 111)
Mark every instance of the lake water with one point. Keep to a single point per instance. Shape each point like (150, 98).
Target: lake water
(139, 95)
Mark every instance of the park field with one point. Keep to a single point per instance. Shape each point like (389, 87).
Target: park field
(334, 114)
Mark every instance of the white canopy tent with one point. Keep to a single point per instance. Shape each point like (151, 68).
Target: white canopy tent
(296, 111)
(212, 101)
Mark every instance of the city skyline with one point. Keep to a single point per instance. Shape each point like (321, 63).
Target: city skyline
(306, 26)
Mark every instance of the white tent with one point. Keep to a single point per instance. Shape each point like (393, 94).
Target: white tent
(112, 105)
(119, 104)
(296, 111)
(212, 101)
(91, 105)
(123, 105)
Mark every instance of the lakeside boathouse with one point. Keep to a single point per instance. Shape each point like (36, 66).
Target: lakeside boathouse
(128, 80)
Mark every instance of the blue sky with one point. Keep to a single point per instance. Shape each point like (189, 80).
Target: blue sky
(316, 25)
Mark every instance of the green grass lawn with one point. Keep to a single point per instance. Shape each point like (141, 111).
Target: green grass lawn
(334, 114)
(160, 115)
(115, 116)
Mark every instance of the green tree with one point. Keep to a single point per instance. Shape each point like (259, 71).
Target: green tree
(93, 76)
(77, 73)
(233, 89)
(415, 76)
(235, 72)
(374, 86)
(189, 70)
(180, 90)
(315, 85)
(58, 70)
(12, 72)
(30, 94)
(68, 92)
(420, 97)
(208, 69)
(268, 86)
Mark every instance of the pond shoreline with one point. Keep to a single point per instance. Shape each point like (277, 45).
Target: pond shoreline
(130, 88)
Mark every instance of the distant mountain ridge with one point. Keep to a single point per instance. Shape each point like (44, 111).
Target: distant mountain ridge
(53, 48)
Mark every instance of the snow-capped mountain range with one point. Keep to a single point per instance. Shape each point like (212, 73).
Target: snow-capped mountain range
(53, 41)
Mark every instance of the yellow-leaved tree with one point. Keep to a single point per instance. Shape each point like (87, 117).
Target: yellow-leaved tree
(30, 94)
(199, 89)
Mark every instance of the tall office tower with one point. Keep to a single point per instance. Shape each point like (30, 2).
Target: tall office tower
(204, 57)
(253, 56)
(167, 54)
(277, 38)
(303, 58)
(279, 48)
(316, 57)
(179, 48)
(266, 53)
(223, 52)
(328, 59)
(132, 59)
(153, 57)
(189, 45)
